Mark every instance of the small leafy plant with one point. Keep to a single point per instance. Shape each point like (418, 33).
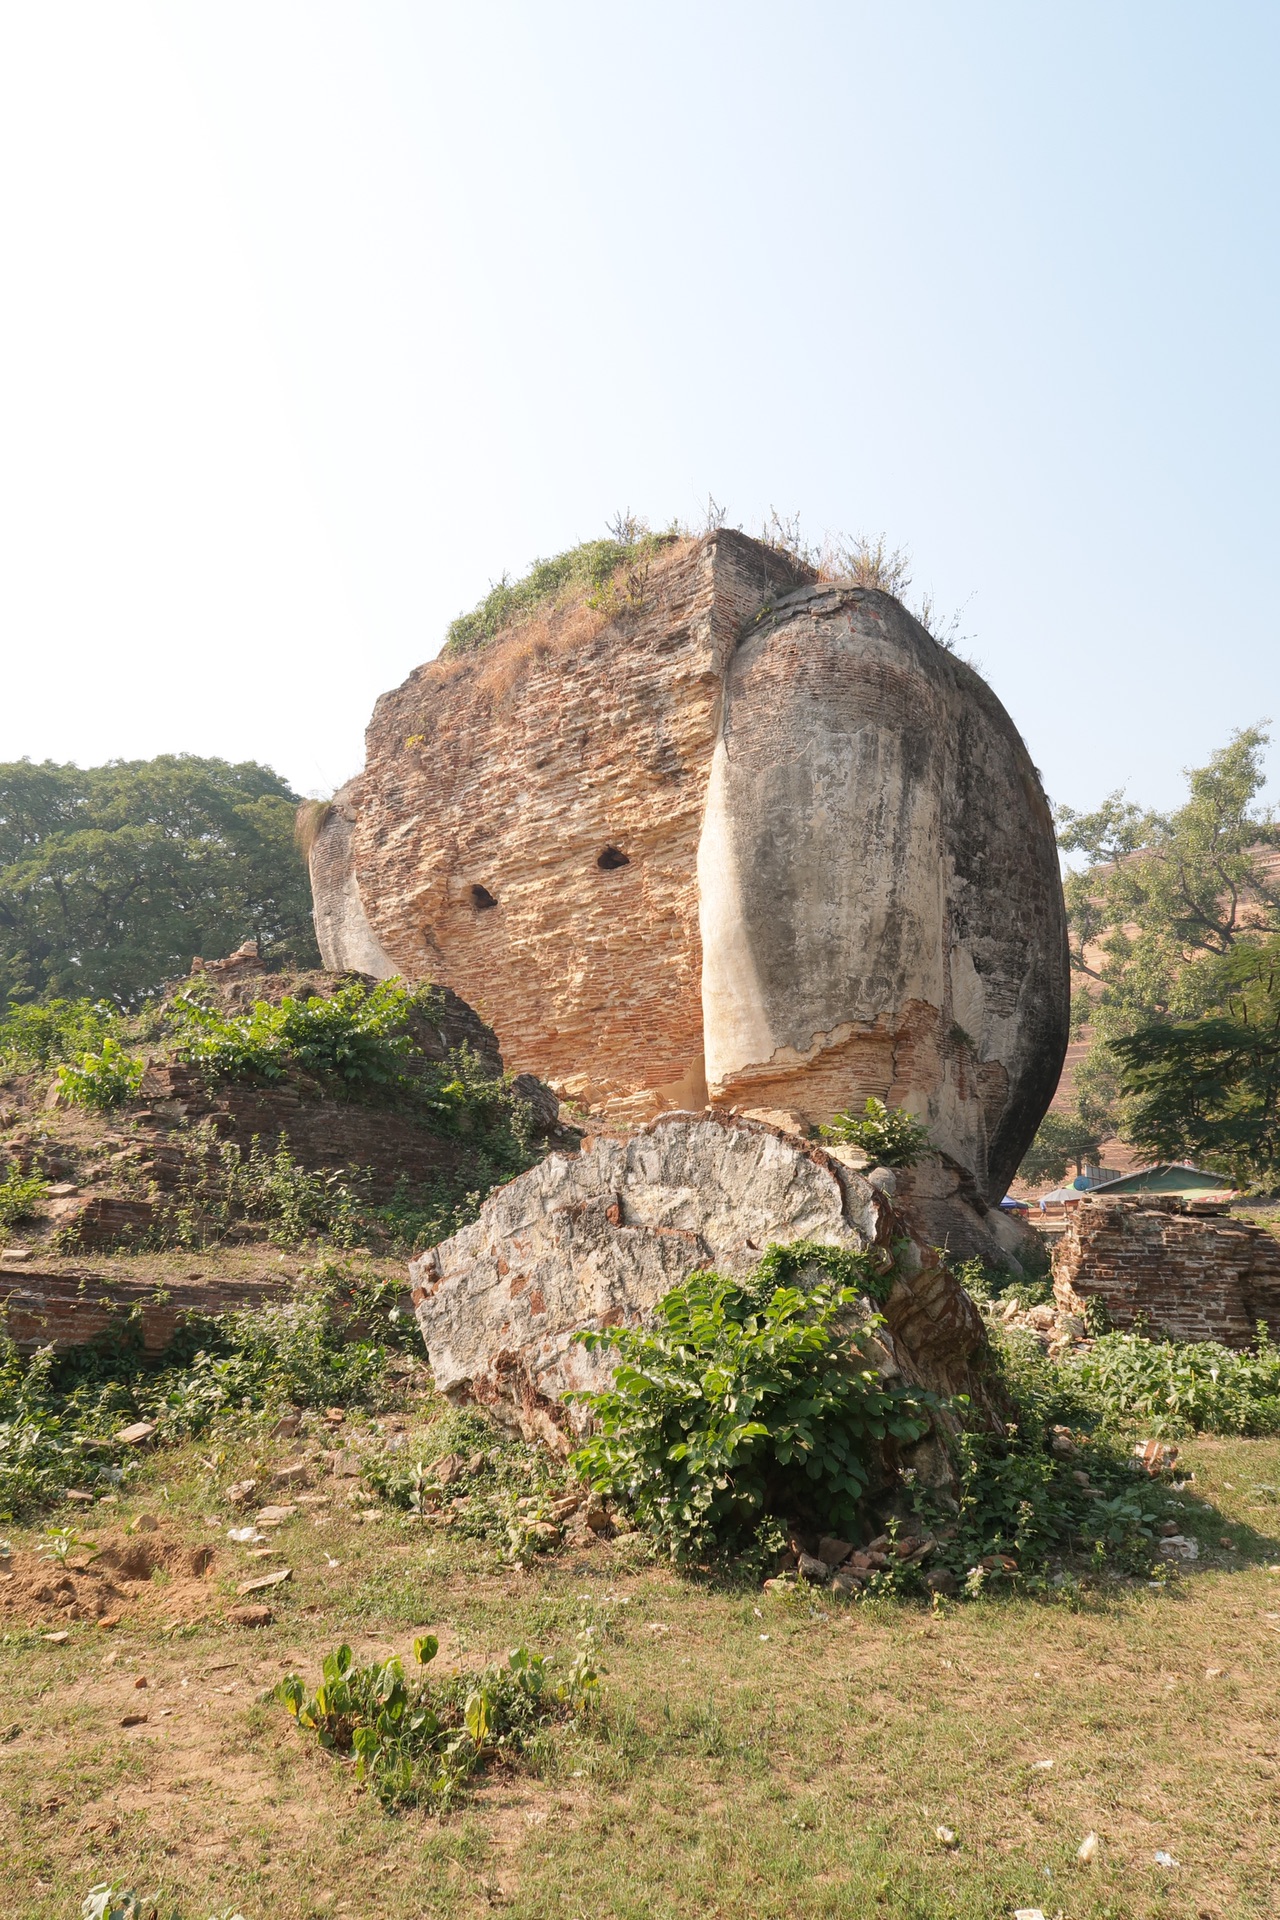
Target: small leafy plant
(110, 1902)
(889, 1136)
(60, 1542)
(747, 1400)
(103, 1080)
(20, 1196)
(418, 1743)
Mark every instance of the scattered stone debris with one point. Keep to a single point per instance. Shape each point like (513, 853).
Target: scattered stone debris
(265, 1580)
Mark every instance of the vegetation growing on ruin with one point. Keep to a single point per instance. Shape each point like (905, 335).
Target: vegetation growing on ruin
(889, 1136)
(331, 1345)
(590, 569)
(358, 1041)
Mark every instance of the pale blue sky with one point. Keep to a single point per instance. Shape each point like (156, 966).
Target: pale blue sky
(318, 317)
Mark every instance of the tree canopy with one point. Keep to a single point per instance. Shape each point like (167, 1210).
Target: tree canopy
(1159, 907)
(113, 878)
(1209, 1089)
(1062, 1141)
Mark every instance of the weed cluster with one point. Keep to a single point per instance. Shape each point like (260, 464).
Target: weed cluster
(1180, 1388)
(418, 1744)
(1024, 1506)
(513, 1492)
(43, 1035)
(225, 1192)
(589, 568)
(20, 1195)
(59, 1415)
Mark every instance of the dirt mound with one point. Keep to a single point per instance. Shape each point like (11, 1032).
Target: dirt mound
(141, 1575)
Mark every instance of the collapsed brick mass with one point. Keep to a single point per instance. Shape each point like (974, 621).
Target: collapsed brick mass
(748, 840)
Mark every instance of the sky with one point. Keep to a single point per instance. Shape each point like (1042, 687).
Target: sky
(319, 317)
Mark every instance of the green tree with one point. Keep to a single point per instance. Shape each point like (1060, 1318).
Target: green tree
(1062, 1140)
(1158, 908)
(1209, 1089)
(112, 878)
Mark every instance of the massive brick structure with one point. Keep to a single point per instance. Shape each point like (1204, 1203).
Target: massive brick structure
(1181, 1273)
(744, 838)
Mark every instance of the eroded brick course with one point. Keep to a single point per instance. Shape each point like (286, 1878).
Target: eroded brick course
(1182, 1275)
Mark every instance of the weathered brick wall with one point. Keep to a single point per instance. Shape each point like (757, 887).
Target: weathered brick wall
(67, 1307)
(1187, 1276)
(514, 773)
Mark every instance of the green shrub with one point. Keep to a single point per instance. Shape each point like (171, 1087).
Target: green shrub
(20, 1196)
(357, 1040)
(1178, 1388)
(889, 1136)
(32, 1037)
(104, 1080)
(748, 1399)
(419, 1743)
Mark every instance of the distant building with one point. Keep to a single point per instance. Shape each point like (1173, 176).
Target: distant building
(1167, 1177)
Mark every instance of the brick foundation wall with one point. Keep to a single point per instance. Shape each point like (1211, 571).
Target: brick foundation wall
(1187, 1276)
(70, 1307)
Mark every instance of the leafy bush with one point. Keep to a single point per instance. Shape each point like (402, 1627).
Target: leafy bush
(20, 1195)
(104, 1079)
(1178, 1388)
(889, 1136)
(416, 1744)
(32, 1037)
(357, 1040)
(746, 1400)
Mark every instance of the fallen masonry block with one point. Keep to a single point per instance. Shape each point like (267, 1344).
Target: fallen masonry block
(596, 1239)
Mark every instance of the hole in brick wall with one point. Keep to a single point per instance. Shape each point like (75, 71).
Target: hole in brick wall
(482, 898)
(612, 857)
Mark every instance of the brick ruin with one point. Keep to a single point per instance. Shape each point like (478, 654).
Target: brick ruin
(738, 837)
(1180, 1270)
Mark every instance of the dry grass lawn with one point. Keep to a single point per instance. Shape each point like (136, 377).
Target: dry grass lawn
(750, 1756)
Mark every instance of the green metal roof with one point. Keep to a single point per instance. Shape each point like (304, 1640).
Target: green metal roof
(1166, 1179)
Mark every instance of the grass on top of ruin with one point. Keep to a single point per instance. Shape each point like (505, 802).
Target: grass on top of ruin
(749, 1754)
